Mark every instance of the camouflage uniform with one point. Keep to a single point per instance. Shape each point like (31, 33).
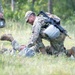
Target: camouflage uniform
(57, 45)
(2, 20)
(24, 52)
(37, 35)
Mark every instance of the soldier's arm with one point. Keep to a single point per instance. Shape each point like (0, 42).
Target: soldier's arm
(35, 33)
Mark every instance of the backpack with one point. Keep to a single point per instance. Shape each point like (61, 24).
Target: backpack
(55, 18)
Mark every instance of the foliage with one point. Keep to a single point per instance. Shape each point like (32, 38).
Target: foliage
(62, 8)
(65, 8)
(44, 65)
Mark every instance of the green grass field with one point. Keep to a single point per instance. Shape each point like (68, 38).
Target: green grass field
(39, 64)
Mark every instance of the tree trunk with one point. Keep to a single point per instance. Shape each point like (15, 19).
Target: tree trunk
(12, 5)
(33, 2)
(50, 6)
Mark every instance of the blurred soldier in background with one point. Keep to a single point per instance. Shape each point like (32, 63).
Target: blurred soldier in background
(2, 20)
(1, 11)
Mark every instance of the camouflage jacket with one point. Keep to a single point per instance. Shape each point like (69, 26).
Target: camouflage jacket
(36, 28)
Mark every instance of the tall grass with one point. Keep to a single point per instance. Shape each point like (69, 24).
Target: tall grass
(39, 64)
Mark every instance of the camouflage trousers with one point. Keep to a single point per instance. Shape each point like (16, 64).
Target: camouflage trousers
(56, 45)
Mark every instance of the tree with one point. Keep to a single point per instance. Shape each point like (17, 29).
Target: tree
(33, 2)
(12, 5)
(50, 6)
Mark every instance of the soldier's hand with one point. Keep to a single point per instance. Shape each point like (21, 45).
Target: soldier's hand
(22, 47)
(30, 44)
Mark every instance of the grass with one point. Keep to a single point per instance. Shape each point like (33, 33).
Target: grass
(37, 65)
(44, 65)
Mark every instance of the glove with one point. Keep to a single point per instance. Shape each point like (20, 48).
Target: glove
(30, 44)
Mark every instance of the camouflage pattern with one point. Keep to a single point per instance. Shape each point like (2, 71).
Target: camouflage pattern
(28, 52)
(57, 44)
(15, 45)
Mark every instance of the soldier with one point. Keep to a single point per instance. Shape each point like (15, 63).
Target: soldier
(2, 20)
(50, 33)
(39, 32)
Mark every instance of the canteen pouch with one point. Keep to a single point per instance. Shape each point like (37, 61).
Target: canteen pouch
(52, 32)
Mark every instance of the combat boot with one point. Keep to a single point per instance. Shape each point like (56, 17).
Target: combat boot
(48, 50)
(7, 37)
(71, 52)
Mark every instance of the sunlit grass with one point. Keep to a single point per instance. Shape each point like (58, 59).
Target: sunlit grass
(39, 64)
(44, 65)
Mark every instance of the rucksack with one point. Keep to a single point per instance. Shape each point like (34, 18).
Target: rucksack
(55, 18)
